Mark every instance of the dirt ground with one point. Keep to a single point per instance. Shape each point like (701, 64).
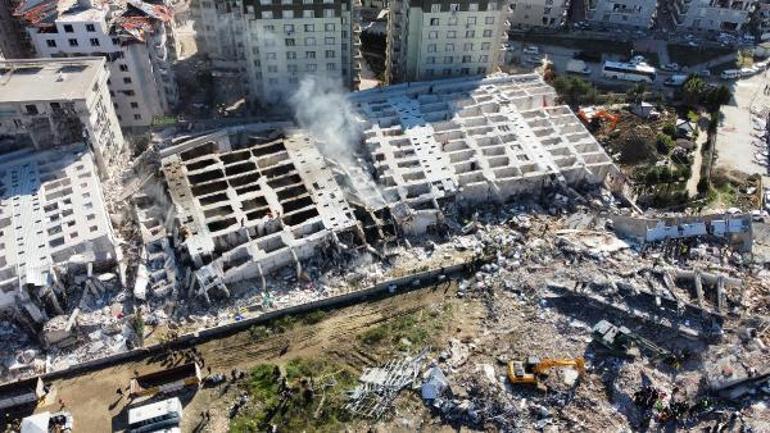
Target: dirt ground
(97, 407)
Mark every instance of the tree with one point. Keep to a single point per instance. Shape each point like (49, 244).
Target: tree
(664, 143)
(694, 90)
(635, 95)
(669, 129)
(574, 91)
(139, 327)
(717, 97)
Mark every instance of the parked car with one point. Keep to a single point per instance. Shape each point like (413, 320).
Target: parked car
(532, 50)
(673, 67)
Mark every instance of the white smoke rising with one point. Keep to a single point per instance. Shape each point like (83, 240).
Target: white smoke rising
(323, 111)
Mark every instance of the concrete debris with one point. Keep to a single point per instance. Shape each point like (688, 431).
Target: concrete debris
(379, 386)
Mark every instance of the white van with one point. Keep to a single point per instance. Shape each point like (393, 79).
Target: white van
(730, 74)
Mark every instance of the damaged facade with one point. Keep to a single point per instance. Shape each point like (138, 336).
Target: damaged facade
(251, 199)
(54, 225)
(133, 35)
(52, 102)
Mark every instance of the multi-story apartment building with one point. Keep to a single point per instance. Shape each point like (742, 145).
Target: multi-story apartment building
(527, 14)
(274, 43)
(53, 102)
(712, 15)
(441, 38)
(630, 13)
(135, 39)
(287, 40)
(14, 43)
(219, 31)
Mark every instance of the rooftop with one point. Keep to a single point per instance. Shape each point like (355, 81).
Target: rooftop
(48, 79)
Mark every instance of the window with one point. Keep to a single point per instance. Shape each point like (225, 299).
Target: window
(307, 2)
(115, 41)
(291, 55)
(309, 42)
(454, 7)
(329, 13)
(126, 80)
(68, 28)
(94, 42)
(272, 69)
(328, 2)
(431, 48)
(329, 41)
(310, 67)
(270, 56)
(51, 43)
(265, 2)
(465, 71)
(470, 33)
(452, 21)
(434, 21)
(289, 42)
(485, 46)
(433, 35)
(483, 58)
(435, 7)
(430, 60)
(447, 71)
(292, 68)
(429, 72)
(269, 28)
(330, 66)
(492, 6)
(448, 60)
(489, 20)
(31, 109)
(473, 7)
(307, 13)
(134, 105)
(286, 2)
(481, 70)
(137, 116)
(487, 33)
(268, 15)
(288, 28)
(123, 67)
(329, 54)
(310, 54)
(466, 59)
(450, 48)
(309, 28)
(471, 20)
(288, 14)
(73, 42)
(451, 34)
(468, 46)
(128, 92)
(90, 28)
(329, 27)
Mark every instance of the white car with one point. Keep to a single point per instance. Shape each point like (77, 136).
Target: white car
(533, 50)
(671, 67)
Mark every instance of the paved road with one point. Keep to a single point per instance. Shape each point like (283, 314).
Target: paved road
(692, 182)
(737, 142)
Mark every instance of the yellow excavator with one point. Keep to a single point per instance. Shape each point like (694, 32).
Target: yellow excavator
(530, 371)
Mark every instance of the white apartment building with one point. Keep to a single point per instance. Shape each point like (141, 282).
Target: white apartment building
(218, 28)
(527, 14)
(631, 13)
(286, 40)
(713, 15)
(53, 102)
(134, 37)
(51, 213)
(439, 38)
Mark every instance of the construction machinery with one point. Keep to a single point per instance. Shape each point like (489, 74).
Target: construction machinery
(531, 371)
(620, 341)
(592, 117)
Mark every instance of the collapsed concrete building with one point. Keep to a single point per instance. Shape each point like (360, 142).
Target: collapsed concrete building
(251, 199)
(54, 226)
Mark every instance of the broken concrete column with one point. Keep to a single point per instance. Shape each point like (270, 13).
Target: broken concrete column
(721, 300)
(699, 288)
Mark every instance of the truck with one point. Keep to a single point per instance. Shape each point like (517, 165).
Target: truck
(675, 80)
(576, 66)
(730, 74)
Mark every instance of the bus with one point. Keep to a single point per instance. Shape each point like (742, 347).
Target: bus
(637, 72)
(161, 416)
